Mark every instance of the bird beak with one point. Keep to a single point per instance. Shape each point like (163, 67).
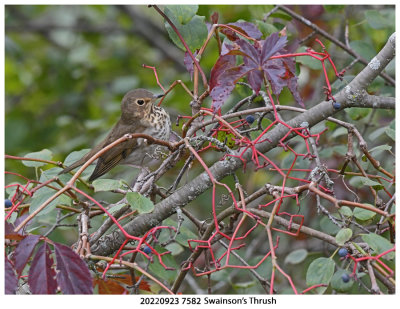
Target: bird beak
(159, 96)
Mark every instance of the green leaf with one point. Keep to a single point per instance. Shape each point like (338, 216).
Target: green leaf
(194, 31)
(380, 148)
(75, 156)
(359, 181)
(339, 131)
(42, 195)
(308, 61)
(169, 261)
(184, 235)
(377, 133)
(320, 271)
(338, 284)
(376, 20)
(139, 202)
(343, 235)
(364, 49)
(363, 214)
(174, 248)
(106, 184)
(296, 256)
(266, 28)
(346, 211)
(44, 154)
(379, 244)
(357, 113)
(328, 227)
(391, 133)
(184, 13)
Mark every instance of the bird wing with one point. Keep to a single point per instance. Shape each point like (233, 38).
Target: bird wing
(112, 157)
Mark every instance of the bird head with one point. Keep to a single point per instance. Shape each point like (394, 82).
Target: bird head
(138, 104)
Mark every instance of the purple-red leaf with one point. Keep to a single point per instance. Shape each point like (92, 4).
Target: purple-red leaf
(10, 279)
(250, 51)
(243, 27)
(292, 85)
(247, 28)
(255, 79)
(223, 63)
(24, 251)
(41, 274)
(73, 275)
(272, 44)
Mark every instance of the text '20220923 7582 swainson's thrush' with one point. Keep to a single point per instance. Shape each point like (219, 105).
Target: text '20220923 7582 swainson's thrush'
(139, 114)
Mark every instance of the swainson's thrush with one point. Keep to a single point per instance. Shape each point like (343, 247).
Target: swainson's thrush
(138, 115)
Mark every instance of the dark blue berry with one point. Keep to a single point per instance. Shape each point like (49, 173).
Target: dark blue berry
(345, 278)
(147, 250)
(250, 119)
(7, 203)
(337, 105)
(343, 252)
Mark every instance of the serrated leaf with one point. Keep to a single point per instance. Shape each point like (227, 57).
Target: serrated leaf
(10, 278)
(194, 32)
(296, 256)
(379, 244)
(244, 27)
(73, 275)
(338, 284)
(106, 184)
(139, 202)
(24, 251)
(44, 154)
(343, 235)
(320, 271)
(363, 214)
(41, 273)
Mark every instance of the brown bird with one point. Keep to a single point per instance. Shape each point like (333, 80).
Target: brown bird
(138, 115)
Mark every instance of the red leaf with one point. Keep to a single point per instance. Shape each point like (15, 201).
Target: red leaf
(214, 18)
(24, 251)
(73, 275)
(10, 279)
(9, 232)
(41, 274)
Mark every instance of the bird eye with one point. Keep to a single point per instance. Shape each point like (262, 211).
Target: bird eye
(140, 102)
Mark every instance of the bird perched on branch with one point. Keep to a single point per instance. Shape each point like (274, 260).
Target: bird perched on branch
(139, 114)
